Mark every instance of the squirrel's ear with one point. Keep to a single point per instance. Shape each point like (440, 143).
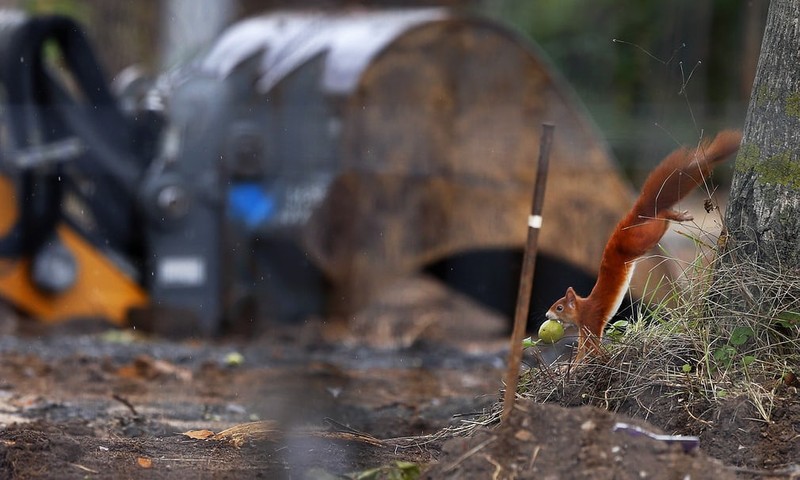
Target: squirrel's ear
(570, 296)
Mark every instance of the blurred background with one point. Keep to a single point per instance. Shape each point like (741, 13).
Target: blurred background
(424, 162)
(651, 74)
(649, 71)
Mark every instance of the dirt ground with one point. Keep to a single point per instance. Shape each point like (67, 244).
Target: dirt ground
(320, 401)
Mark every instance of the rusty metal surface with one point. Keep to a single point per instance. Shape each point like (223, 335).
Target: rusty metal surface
(439, 142)
(428, 124)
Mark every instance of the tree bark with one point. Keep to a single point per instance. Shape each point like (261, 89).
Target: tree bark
(763, 216)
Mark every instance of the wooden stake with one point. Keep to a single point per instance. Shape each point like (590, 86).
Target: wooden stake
(526, 276)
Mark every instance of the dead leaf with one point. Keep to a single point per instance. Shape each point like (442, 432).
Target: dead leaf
(240, 434)
(149, 368)
(267, 430)
(199, 434)
(85, 469)
(144, 462)
(347, 437)
(340, 432)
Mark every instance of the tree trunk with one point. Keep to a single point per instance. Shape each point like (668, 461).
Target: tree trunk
(763, 217)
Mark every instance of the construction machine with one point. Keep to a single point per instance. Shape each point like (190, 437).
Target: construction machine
(294, 168)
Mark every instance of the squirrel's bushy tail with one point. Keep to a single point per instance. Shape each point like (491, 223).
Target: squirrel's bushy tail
(682, 171)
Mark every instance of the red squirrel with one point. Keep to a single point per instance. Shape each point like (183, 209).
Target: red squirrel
(639, 231)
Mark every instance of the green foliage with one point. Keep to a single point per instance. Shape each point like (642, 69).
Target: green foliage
(788, 319)
(617, 329)
(530, 342)
(578, 36)
(725, 355)
(731, 330)
(740, 335)
(639, 66)
(77, 9)
(399, 470)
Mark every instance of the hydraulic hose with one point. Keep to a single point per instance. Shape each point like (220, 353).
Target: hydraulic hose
(41, 112)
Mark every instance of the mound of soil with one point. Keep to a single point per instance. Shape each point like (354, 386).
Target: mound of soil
(544, 441)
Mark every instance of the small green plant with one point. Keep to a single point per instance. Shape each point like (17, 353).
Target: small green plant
(740, 336)
(617, 329)
(399, 470)
(725, 331)
(788, 319)
(725, 355)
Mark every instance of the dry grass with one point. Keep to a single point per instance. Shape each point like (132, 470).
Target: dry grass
(733, 331)
(730, 331)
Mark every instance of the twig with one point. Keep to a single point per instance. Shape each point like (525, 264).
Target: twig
(646, 52)
(534, 455)
(526, 276)
(85, 469)
(125, 402)
(792, 471)
(472, 451)
(498, 469)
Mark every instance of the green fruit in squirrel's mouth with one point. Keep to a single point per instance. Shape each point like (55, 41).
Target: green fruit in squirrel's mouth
(551, 331)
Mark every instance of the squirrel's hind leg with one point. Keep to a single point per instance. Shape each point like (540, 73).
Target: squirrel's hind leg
(678, 216)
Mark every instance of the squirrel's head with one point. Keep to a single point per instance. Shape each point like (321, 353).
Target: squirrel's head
(566, 308)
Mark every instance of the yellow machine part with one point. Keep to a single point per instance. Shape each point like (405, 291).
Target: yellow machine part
(100, 291)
